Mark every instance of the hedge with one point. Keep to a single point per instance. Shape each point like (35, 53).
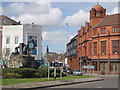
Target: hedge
(24, 72)
(28, 72)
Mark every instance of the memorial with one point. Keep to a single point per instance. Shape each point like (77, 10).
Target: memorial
(22, 58)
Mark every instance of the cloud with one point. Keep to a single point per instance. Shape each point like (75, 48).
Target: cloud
(115, 10)
(77, 19)
(57, 37)
(39, 13)
(1, 10)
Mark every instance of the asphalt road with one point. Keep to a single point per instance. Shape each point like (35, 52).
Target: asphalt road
(108, 82)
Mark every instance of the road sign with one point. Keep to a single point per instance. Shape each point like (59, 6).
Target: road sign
(55, 64)
(88, 67)
(46, 64)
(80, 60)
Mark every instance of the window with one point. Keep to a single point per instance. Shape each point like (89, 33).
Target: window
(103, 47)
(95, 48)
(8, 40)
(90, 49)
(103, 30)
(115, 29)
(7, 51)
(116, 46)
(16, 40)
(95, 32)
(98, 13)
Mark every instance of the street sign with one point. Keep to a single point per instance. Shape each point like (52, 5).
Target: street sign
(88, 67)
(46, 64)
(55, 64)
(80, 60)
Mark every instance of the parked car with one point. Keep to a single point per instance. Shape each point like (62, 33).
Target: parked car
(69, 71)
(77, 73)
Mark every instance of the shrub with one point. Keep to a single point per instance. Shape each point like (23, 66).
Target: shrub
(11, 75)
(31, 73)
(64, 73)
(38, 75)
(24, 72)
(57, 74)
(43, 72)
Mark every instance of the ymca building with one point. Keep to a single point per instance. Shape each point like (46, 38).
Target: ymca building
(97, 43)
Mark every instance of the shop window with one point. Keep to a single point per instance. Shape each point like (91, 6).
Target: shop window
(116, 67)
(111, 67)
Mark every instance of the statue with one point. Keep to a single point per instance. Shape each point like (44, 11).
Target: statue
(24, 58)
(26, 50)
(16, 50)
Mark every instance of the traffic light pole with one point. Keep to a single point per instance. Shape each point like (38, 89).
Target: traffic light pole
(61, 73)
(54, 72)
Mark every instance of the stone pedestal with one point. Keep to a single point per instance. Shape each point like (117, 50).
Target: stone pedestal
(23, 61)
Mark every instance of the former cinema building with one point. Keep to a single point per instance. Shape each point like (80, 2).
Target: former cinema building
(97, 43)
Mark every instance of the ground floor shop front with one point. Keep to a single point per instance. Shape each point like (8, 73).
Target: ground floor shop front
(102, 66)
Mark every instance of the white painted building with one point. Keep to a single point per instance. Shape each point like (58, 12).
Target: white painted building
(12, 35)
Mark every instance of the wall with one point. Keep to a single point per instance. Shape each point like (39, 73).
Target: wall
(33, 30)
(12, 31)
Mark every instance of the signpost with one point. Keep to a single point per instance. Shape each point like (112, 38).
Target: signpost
(55, 65)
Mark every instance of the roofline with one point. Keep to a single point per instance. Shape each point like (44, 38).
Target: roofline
(105, 25)
(103, 19)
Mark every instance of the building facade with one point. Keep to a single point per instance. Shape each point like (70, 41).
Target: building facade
(98, 42)
(13, 34)
(72, 54)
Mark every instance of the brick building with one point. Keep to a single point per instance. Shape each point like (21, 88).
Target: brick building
(98, 42)
(72, 54)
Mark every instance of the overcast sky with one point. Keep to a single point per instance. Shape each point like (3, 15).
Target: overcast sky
(53, 16)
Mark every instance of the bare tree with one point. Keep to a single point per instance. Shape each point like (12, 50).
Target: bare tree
(6, 52)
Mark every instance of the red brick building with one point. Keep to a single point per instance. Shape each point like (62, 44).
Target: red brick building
(98, 42)
(72, 54)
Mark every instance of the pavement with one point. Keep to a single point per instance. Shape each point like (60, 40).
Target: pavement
(109, 83)
(51, 83)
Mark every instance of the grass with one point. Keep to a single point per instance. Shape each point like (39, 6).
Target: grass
(31, 80)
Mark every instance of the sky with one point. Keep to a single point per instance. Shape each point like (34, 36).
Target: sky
(53, 16)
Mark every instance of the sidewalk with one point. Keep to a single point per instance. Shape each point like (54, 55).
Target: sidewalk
(52, 83)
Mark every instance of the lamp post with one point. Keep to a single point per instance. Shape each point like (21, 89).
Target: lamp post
(48, 70)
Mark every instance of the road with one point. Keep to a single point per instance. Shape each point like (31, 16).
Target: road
(108, 82)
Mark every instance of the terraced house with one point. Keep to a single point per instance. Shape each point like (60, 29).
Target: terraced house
(98, 42)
